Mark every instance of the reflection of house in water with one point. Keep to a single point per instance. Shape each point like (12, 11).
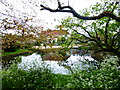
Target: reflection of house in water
(52, 36)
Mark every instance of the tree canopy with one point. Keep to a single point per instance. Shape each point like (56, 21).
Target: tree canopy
(100, 35)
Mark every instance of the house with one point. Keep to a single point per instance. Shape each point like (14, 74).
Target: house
(52, 36)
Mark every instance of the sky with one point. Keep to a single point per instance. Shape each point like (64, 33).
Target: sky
(45, 18)
(76, 4)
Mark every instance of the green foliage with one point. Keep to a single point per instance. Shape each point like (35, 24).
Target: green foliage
(17, 34)
(100, 35)
(108, 76)
(33, 78)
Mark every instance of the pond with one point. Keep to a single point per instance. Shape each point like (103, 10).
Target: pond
(75, 61)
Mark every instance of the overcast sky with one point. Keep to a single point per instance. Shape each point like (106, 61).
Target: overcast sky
(76, 4)
(44, 17)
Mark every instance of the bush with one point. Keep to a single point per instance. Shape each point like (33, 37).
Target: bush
(33, 78)
(108, 76)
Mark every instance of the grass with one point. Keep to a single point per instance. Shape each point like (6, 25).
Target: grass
(16, 52)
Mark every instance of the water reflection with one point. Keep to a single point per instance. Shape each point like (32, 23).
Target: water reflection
(35, 60)
(62, 67)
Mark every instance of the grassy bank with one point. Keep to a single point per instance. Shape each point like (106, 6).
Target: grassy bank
(16, 52)
(8, 55)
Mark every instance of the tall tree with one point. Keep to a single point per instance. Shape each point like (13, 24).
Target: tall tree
(102, 34)
(69, 9)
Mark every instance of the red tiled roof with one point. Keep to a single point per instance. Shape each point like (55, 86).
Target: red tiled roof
(55, 32)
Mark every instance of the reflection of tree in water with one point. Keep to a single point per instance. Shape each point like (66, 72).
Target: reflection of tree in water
(54, 54)
(60, 63)
(54, 57)
(66, 61)
(62, 57)
(79, 52)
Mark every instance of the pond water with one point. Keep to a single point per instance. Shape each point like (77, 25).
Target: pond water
(63, 67)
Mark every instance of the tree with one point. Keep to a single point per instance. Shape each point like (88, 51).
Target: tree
(19, 27)
(18, 33)
(100, 35)
(61, 8)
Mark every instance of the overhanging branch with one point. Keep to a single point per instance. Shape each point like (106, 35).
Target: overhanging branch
(80, 40)
(75, 14)
(81, 34)
(107, 24)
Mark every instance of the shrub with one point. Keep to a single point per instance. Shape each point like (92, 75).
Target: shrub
(32, 78)
(108, 76)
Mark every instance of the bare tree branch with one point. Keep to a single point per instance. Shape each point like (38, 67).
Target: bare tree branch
(86, 31)
(81, 34)
(107, 24)
(59, 5)
(80, 40)
(75, 14)
(89, 38)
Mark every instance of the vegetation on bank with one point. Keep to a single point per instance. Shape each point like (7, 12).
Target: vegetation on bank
(107, 76)
(10, 55)
(16, 52)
